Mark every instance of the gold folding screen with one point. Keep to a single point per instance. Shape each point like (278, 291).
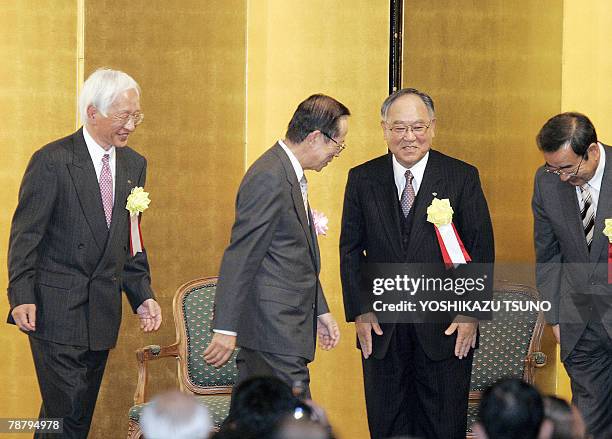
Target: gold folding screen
(220, 80)
(38, 88)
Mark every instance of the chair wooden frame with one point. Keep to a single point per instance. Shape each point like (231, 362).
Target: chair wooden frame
(177, 350)
(534, 358)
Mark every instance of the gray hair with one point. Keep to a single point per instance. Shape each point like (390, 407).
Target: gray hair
(175, 415)
(427, 100)
(102, 88)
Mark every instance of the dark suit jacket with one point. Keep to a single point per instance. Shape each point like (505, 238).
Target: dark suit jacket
(63, 258)
(269, 290)
(371, 232)
(573, 279)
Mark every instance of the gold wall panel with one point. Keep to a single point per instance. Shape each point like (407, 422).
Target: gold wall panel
(37, 105)
(189, 59)
(494, 71)
(339, 48)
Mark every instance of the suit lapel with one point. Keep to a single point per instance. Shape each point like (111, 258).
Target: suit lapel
(296, 195)
(87, 188)
(568, 202)
(121, 191)
(313, 233)
(604, 210)
(431, 183)
(385, 196)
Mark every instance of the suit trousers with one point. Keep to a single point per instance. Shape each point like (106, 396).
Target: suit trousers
(589, 366)
(407, 393)
(290, 369)
(69, 378)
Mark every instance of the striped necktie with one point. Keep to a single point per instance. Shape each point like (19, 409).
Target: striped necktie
(587, 214)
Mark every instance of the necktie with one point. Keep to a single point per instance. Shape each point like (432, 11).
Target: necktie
(304, 189)
(408, 194)
(587, 214)
(106, 189)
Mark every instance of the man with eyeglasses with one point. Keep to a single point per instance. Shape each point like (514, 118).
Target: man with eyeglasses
(572, 198)
(416, 375)
(69, 254)
(269, 300)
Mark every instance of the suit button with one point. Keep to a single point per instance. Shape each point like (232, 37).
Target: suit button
(313, 306)
(81, 246)
(114, 278)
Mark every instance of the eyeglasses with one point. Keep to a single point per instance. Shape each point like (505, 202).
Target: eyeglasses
(342, 145)
(124, 118)
(560, 173)
(417, 129)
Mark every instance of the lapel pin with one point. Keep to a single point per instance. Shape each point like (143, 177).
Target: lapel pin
(129, 181)
(435, 194)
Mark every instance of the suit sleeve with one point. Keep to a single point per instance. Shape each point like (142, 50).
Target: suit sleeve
(136, 279)
(322, 307)
(476, 232)
(475, 220)
(258, 207)
(548, 256)
(37, 197)
(352, 245)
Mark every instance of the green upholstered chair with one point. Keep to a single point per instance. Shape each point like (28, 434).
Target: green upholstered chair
(509, 345)
(193, 311)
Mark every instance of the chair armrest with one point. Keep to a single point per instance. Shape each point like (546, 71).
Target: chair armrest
(143, 356)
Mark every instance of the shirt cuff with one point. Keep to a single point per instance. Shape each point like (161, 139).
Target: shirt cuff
(222, 331)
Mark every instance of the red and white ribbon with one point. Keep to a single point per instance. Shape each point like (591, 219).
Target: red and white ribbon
(453, 251)
(135, 235)
(610, 262)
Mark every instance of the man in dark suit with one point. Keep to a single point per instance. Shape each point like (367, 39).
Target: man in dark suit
(269, 296)
(69, 250)
(416, 375)
(572, 197)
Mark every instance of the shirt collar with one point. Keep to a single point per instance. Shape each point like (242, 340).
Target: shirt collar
(299, 172)
(595, 182)
(96, 152)
(418, 169)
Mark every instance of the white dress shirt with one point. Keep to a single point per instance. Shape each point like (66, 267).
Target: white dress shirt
(96, 152)
(399, 174)
(594, 184)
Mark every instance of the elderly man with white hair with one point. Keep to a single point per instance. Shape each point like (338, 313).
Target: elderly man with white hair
(175, 415)
(71, 253)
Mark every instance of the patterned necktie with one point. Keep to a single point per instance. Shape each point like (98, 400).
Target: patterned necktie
(304, 189)
(587, 214)
(106, 189)
(408, 195)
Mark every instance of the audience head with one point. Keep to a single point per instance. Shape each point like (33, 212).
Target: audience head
(292, 428)
(566, 419)
(258, 404)
(175, 415)
(512, 409)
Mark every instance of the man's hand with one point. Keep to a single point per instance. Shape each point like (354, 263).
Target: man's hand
(328, 331)
(220, 349)
(25, 316)
(150, 315)
(466, 328)
(364, 324)
(557, 333)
